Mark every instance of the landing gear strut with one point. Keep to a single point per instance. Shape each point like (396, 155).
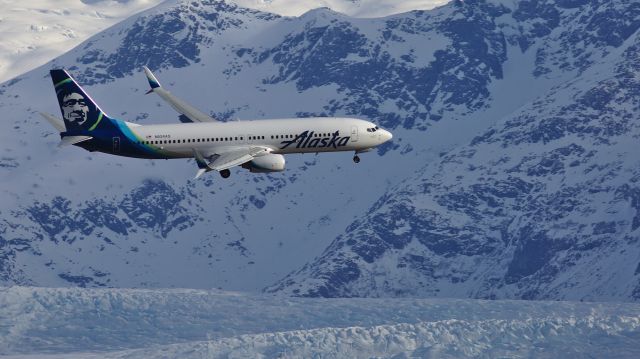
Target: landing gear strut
(225, 173)
(356, 159)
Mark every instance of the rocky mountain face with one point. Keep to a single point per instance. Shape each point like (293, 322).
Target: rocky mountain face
(541, 205)
(512, 173)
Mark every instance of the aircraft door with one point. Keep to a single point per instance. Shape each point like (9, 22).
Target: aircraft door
(354, 133)
(116, 145)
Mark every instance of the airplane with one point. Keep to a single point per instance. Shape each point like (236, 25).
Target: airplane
(257, 145)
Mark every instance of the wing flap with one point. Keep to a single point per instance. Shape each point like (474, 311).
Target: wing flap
(230, 159)
(225, 159)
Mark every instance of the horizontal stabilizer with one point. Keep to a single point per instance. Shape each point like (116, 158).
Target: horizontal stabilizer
(72, 140)
(54, 121)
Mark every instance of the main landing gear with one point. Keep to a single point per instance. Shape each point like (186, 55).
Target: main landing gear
(356, 159)
(225, 173)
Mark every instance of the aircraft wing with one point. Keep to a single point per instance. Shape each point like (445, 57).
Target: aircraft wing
(224, 159)
(188, 112)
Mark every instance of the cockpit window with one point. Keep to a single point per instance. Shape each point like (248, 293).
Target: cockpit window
(373, 129)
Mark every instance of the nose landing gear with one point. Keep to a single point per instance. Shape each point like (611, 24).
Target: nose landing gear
(356, 159)
(225, 173)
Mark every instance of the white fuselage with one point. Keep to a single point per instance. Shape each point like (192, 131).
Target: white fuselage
(282, 136)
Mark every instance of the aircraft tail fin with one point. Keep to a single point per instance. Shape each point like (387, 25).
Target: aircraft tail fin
(79, 112)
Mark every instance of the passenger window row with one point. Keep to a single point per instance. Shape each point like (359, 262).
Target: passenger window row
(223, 139)
(190, 140)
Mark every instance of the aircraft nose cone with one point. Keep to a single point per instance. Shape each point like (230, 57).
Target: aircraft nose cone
(386, 136)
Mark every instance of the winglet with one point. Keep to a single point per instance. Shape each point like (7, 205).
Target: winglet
(203, 167)
(200, 172)
(153, 81)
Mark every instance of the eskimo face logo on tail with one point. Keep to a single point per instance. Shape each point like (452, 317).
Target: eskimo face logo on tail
(308, 139)
(75, 108)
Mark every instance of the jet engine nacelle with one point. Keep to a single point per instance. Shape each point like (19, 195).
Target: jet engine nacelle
(266, 163)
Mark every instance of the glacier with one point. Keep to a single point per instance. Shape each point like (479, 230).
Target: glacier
(188, 323)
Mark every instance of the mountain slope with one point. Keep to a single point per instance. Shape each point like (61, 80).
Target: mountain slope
(513, 125)
(541, 206)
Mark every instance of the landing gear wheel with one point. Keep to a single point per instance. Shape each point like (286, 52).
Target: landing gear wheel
(356, 159)
(225, 173)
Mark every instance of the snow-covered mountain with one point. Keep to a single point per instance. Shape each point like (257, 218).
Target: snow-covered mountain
(34, 32)
(511, 173)
(543, 204)
(356, 8)
(134, 323)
